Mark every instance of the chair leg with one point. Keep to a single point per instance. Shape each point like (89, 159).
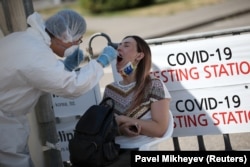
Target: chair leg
(228, 146)
(176, 144)
(201, 143)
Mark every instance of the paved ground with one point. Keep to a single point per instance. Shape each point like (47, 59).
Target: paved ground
(152, 27)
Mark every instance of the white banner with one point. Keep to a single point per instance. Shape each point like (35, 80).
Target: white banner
(211, 110)
(65, 130)
(209, 81)
(204, 63)
(64, 107)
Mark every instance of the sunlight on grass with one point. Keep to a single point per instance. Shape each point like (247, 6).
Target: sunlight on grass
(170, 8)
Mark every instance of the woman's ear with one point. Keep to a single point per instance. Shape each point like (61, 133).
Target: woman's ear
(140, 56)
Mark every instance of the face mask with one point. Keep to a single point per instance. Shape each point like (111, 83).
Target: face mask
(69, 51)
(127, 69)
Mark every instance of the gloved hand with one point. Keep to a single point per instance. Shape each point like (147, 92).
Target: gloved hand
(108, 54)
(74, 56)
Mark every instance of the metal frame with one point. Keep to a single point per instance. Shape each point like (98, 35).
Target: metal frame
(109, 42)
(28, 7)
(164, 40)
(6, 12)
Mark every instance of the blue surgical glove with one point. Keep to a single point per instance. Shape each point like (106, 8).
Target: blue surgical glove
(108, 54)
(74, 56)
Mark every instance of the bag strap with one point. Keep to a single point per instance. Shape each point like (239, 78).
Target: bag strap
(108, 99)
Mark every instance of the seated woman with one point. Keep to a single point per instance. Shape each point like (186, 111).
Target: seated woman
(142, 101)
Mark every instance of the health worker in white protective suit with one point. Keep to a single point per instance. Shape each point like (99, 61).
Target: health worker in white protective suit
(29, 67)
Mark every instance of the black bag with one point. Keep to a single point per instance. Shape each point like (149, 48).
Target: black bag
(93, 143)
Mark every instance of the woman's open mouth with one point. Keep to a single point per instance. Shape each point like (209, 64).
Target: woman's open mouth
(119, 58)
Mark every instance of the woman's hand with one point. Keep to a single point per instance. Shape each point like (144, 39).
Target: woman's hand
(120, 119)
(130, 129)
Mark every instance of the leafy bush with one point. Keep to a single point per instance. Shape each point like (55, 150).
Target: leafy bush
(98, 6)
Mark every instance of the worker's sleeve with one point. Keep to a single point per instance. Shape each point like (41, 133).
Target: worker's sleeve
(50, 76)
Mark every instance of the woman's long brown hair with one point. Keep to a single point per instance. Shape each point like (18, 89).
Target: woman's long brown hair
(142, 71)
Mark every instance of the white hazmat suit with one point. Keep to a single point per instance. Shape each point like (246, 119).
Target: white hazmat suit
(28, 68)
